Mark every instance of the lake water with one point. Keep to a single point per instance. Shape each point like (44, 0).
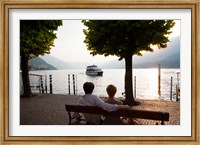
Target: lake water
(146, 82)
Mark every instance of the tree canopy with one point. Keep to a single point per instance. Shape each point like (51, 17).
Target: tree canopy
(37, 36)
(119, 37)
(125, 38)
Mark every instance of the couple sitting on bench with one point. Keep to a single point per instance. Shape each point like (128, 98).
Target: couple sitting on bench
(111, 104)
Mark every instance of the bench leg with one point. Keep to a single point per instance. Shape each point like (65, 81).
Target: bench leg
(69, 114)
(162, 123)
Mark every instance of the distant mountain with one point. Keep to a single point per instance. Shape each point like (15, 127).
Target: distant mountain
(172, 61)
(168, 58)
(173, 48)
(60, 64)
(40, 64)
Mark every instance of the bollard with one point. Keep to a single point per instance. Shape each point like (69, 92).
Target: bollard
(39, 84)
(46, 84)
(50, 84)
(73, 83)
(177, 87)
(76, 86)
(159, 92)
(135, 86)
(69, 83)
(41, 81)
(177, 92)
(171, 89)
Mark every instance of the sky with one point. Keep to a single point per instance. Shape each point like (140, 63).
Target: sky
(69, 45)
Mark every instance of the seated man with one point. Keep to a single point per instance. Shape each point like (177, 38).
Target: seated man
(92, 100)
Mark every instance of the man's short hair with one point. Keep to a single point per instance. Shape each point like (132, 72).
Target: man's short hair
(88, 87)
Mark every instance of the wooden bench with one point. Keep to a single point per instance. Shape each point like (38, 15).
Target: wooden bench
(127, 113)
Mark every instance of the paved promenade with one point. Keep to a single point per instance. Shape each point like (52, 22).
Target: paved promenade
(47, 109)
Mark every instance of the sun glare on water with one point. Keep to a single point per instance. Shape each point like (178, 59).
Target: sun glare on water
(150, 76)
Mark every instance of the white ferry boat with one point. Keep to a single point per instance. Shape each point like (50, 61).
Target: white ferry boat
(93, 70)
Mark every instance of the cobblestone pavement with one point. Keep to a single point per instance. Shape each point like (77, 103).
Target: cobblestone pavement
(48, 109)
(164, 106)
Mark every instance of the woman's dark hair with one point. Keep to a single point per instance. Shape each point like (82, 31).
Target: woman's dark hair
(88, 87)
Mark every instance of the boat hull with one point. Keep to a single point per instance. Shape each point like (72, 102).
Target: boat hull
(94, 73)
(93, 70)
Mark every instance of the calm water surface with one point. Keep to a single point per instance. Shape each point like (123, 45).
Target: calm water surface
(146, 82)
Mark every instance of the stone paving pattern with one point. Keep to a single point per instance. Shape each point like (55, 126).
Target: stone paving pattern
(49, 109)
(164, 106)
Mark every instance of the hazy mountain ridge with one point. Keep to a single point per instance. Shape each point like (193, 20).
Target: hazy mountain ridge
(40, 64)
(172, 62)
(168, 58)
(61, 64)
(58, 63)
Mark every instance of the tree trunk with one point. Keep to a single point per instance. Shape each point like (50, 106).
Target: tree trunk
(129, 81)
(25, 76)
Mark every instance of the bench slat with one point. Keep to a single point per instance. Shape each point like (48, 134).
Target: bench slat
(129, 113)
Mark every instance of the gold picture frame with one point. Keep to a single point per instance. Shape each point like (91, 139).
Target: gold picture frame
(127, 4)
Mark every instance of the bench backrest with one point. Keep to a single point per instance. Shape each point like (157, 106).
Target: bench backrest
(129, 113)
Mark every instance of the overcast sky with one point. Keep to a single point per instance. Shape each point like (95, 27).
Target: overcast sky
(69, 45)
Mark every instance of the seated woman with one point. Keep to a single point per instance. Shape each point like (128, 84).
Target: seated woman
(110, 120)
(90, 99)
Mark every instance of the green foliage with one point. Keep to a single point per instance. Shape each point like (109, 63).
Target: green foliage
(37, 36)
(122, 37)
(125, 38)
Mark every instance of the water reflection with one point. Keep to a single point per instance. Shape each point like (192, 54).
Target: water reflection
(146, 81)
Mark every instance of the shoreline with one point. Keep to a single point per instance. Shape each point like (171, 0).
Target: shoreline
(102, 97)
(48, 109)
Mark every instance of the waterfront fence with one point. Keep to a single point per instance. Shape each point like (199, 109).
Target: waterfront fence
(41, 83)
